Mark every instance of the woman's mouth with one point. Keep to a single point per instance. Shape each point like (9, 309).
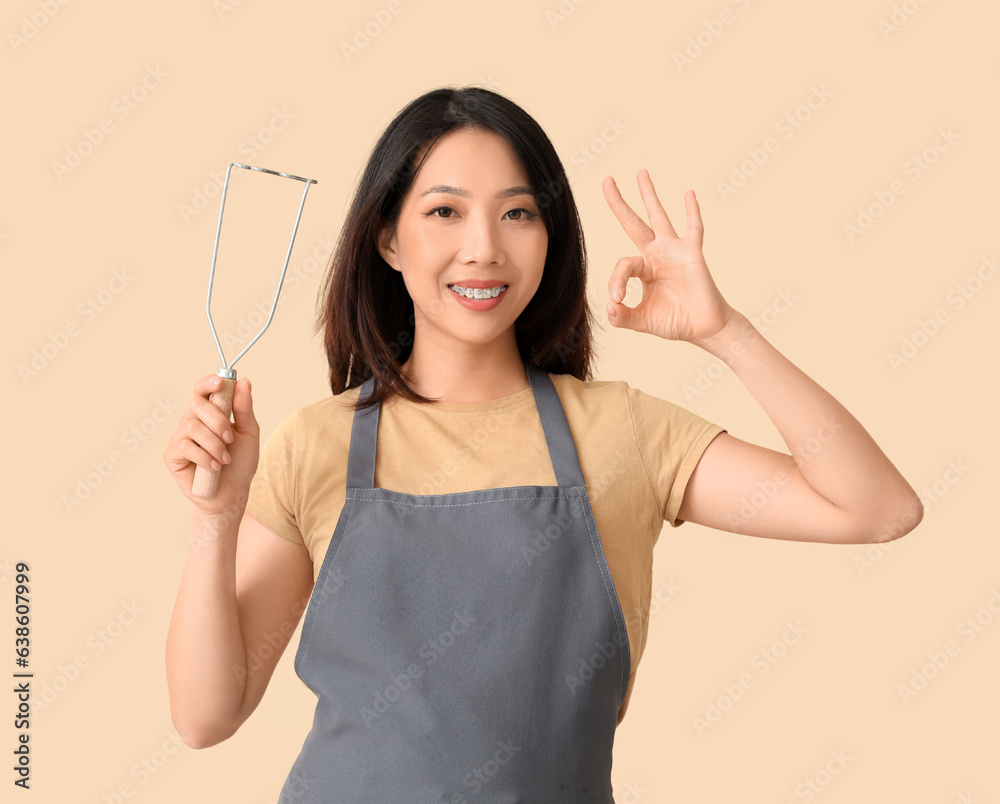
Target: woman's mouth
(479, 300)
(478, 293)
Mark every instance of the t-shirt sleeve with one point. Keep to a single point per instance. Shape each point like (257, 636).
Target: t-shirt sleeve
(671, 442)
(272, 491)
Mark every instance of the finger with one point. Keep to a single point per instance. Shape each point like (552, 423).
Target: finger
(243, 416)
(208, 413)
(192, 452)
(183, 451)
(695, 229)
(207, 385)
(624, 317)
(203, 437)
(633, 225)
(624, 269)
(654, 209)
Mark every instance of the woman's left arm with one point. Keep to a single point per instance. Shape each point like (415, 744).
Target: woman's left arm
(836, 485)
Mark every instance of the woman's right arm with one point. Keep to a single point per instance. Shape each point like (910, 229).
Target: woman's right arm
(243, 589)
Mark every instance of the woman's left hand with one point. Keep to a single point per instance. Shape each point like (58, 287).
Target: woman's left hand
(679, 298)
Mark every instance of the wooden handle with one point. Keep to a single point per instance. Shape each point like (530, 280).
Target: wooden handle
(206, 481)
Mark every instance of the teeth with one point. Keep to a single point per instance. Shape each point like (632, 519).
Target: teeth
(478, 293)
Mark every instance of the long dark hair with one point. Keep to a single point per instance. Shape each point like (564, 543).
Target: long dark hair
(366, 314)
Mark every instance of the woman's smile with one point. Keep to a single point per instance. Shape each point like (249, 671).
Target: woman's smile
(485, 249)
(478, 297)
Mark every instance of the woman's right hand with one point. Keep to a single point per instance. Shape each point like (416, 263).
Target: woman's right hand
(200, 440)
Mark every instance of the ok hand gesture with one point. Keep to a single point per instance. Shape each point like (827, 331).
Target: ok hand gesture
(679, 299)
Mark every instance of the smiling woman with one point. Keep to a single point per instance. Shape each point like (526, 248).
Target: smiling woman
(463, 188)
(468, 521)
(470, 237)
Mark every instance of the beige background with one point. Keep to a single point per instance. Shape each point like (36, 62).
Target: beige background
(223, 76)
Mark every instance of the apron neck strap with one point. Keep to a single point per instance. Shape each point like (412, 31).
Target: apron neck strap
(558, 438)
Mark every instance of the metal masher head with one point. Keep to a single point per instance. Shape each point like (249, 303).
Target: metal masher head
(227, 367)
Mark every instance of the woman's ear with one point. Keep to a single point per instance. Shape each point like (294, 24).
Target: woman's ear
(387, 247)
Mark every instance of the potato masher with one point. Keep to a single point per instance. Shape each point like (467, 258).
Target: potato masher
(206, 481)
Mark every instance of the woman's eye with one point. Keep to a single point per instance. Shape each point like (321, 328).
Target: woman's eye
(520, 214)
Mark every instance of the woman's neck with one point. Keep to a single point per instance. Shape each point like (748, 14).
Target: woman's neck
(473, 374)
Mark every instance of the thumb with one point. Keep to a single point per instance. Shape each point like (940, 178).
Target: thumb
(624, 317)
(243, 417)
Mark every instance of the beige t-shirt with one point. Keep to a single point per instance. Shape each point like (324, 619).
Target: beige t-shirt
(636, 452)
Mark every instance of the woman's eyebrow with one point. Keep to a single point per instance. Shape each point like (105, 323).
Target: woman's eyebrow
(445, 188)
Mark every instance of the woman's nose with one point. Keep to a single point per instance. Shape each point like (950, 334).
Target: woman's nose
(481, 241)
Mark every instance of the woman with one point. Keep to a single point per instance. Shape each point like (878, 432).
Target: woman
(473, 623)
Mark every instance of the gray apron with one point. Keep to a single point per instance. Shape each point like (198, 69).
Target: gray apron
(464, 647)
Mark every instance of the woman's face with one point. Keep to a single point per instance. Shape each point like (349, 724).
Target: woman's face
(468, 221)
